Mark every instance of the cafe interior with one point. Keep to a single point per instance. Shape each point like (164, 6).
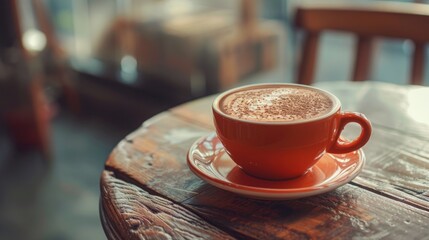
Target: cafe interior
(77, 76)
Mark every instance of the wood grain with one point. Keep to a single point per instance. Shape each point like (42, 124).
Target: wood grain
(396, 20)
(346, 213)
(367, 22)
(387, 141)
(138, 214)
(393, 107)
(397, 166)
(147, 175)
(155, 156)
(108, 226)
(198, 112)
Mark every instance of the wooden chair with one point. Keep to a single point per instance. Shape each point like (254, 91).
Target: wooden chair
(57, 59)
(29, 121)
(26, 111)
(367, 22)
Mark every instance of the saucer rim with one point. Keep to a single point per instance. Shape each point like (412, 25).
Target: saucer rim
(275, 193)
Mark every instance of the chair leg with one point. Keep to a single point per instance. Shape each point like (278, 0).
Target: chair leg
(42, 117)
(363, 59)
(307, 66)
(70, 93)
(418, 64)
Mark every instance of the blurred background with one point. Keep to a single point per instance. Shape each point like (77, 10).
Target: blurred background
(76, 76)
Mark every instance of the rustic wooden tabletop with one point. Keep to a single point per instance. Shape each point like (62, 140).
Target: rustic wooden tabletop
(148, 191)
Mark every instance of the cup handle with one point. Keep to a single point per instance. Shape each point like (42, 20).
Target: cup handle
(366, 129)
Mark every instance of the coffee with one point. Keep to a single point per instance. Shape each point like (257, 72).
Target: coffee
(276, 103)
(279, 131)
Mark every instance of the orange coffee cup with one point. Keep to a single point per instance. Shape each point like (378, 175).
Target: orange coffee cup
(285, 149)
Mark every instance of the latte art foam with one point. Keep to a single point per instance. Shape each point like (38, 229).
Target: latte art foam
(276, 104)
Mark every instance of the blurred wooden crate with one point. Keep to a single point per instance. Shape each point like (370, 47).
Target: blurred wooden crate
(201, 52)
(241, 53)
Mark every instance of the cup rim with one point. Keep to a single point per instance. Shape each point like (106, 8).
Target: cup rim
(336, 104)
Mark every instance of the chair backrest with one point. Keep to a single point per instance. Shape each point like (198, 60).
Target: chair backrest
(369, 21)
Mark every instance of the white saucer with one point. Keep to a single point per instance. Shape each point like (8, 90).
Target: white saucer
(209, 161)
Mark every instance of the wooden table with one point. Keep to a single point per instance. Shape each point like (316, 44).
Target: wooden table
(148, 191)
